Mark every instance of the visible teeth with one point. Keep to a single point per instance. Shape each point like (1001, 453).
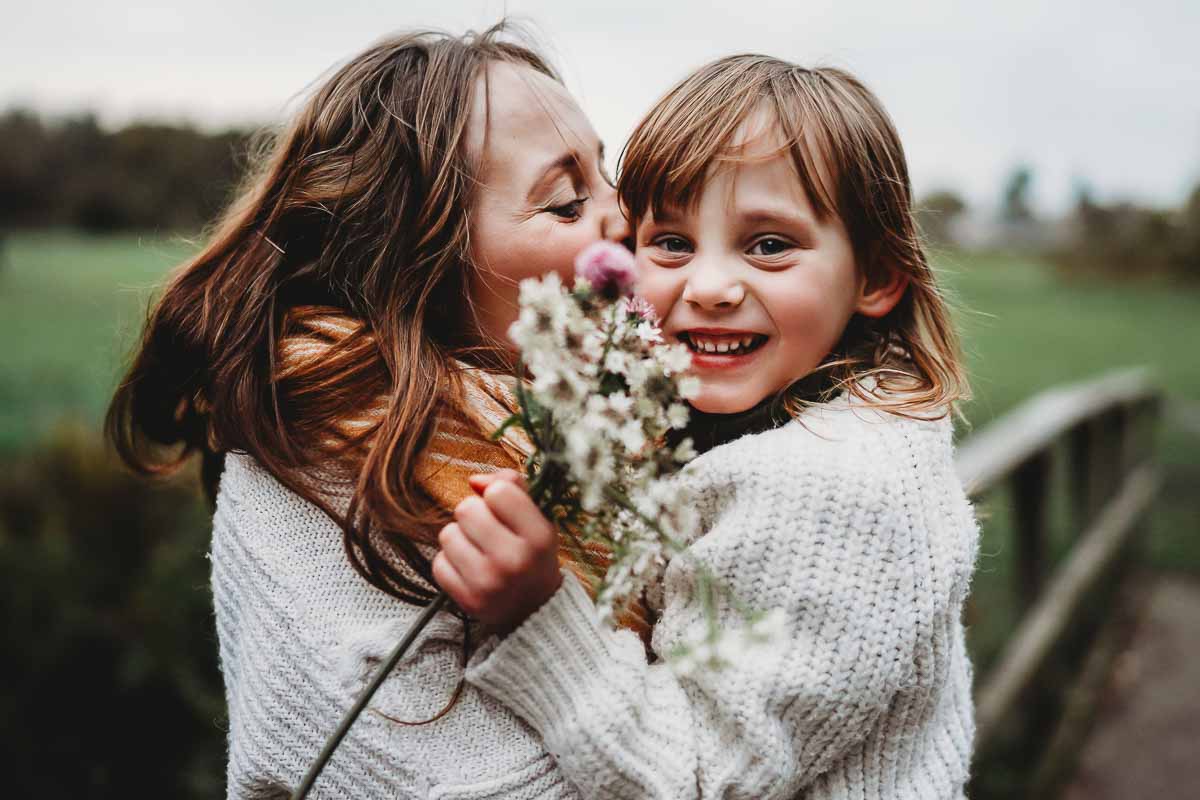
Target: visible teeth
(704, 344)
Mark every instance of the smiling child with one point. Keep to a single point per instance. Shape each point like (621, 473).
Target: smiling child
(774, 232)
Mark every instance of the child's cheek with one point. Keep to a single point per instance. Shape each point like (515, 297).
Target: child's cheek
(654, 284)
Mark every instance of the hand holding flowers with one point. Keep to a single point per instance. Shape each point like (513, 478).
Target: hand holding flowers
(499, 558)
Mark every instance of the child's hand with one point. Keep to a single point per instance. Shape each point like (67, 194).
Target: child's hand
(499, 558)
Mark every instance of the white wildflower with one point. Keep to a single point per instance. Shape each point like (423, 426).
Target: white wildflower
(649, 332)
(685, 451)
(597, 404)
(689, 387)
(675, 358)
(620, 402)
(677, 416)
(633, 438)
(558, 388)
(616, 362)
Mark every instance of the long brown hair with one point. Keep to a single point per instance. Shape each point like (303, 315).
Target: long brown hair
(359, 207)
(912, 352)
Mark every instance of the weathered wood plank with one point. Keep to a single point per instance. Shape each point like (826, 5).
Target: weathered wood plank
(1030, 495)
(989, 456)
(1046, 621)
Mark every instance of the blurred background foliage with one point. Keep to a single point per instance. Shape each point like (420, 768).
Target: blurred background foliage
(69, 171)
(103, 576)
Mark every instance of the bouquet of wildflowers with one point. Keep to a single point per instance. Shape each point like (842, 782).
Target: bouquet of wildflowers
(605, 390)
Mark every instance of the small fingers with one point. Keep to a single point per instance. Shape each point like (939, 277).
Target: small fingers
(481, 481)
(449, 579)
(474, 568)
(512, 506)
(491, 536)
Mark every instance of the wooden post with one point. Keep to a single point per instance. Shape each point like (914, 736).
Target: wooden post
(1112, 483)
(1111, 430)
(1080, 440)
(1030, 490)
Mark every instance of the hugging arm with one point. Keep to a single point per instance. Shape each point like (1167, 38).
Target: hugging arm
(853, 581)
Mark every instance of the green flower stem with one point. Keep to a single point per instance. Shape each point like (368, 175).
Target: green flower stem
(612, 329)
(376, 681)
(624, 502)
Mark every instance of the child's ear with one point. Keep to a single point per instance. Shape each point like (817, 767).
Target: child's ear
(877, 298)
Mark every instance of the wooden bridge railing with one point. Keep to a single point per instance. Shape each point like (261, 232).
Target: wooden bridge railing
(1107, 427)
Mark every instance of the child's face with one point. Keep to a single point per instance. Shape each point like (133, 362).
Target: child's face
(750, 263)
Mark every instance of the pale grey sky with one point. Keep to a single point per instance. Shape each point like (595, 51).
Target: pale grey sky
(1101, 90)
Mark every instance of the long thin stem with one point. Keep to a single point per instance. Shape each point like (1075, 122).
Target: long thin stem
(612, 329)
(376, 681)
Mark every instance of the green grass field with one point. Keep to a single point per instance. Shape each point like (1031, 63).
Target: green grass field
(71, 306)
(1025, 329)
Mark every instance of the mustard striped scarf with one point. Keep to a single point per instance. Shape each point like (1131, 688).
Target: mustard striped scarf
(461, 443)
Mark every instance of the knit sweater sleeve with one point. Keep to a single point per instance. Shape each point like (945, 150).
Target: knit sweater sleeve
(860, 552)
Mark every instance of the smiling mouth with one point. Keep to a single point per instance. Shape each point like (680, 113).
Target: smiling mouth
(723, 344)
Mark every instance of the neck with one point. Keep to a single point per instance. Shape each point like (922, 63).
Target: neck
(711, 430)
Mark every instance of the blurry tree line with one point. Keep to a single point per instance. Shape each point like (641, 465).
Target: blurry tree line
(72, 172)
(1124, 239)
(1118, 239)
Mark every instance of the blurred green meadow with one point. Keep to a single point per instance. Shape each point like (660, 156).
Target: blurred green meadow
(90, 555)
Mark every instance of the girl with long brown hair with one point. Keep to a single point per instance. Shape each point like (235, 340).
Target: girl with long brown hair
(335, 354)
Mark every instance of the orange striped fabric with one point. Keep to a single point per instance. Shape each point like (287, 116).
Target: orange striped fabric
(461, 444)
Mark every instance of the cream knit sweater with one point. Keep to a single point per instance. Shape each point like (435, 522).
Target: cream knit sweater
(854, 522)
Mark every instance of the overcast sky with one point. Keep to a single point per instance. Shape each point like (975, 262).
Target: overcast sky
(1102, 91)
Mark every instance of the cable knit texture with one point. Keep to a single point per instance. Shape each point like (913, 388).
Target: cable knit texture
(855, 523)
(300, 633)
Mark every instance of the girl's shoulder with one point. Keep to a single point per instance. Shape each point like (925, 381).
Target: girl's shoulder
(864, 471)
(844, 433)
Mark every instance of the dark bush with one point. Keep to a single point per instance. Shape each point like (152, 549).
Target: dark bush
(111, 666)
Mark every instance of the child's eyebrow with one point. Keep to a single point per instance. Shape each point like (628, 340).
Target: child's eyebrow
(667, 215)
(758, 216)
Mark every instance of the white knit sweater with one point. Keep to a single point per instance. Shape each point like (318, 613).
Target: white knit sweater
(854, 522)
(300, 634)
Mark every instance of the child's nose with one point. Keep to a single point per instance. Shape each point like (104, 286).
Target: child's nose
(709, 286)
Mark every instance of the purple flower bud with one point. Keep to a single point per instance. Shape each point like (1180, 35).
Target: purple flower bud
(640, 306)
(608, 267)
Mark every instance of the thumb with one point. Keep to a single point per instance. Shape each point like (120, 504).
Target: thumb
(479, 482)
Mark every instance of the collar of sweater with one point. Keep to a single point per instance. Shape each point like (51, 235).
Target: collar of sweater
(712, 430)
